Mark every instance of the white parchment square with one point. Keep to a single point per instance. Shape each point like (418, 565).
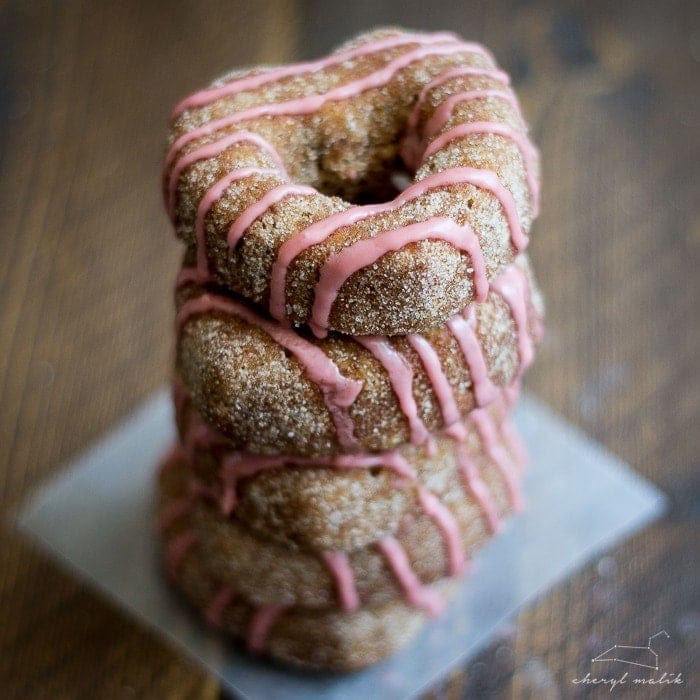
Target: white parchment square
(97, 517)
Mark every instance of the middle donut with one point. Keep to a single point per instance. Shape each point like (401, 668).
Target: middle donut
(270, 389)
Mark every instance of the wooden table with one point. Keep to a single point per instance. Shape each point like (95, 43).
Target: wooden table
(88, 263)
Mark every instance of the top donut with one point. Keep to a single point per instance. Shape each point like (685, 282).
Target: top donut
(285, 179)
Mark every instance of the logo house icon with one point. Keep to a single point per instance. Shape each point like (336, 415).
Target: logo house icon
(642, 656)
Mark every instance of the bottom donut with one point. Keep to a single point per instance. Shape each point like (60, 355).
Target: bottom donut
(326, 639)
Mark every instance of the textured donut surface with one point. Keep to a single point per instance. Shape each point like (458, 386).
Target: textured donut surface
(267, 171)
(271, 390)
(329, 639)
(349, 501)
(447, 518)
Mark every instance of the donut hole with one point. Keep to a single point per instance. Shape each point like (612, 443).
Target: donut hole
(375, 472)
(378, 185)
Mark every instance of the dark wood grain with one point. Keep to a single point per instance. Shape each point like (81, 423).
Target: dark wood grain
(611, 90)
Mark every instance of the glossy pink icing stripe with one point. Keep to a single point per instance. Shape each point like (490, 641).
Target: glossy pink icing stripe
(321, 230)
(391, 459)
(410, 149)
(445, 521)
(241, 465)
(215, 610)
(527, 150)
(200, 435)
(443, 113)
(515, 444)
(484, 424)
(438, 379)
(260, 625)
(210, 150)
(464, 331)
(312, 103)
(431, 448)
(212, 195)
(177, 550)
(341, 265)
(339, 565)
(338, 391)
(511, 285)
(477, 488)
(253, 82)
(401, 380)
(190, 275)
(249, 215)
(416, 594)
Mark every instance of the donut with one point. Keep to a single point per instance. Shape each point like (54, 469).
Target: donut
(270, 389)
(349, 501)
(433, 539)
(284, 179)
(329, 639)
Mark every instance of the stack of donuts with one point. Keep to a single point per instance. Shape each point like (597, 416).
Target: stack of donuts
(354, 314)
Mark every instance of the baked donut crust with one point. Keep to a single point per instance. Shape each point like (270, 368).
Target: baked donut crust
(331, 639)
(434, 539)
(261, 166)
(251, 387)
(324, 505)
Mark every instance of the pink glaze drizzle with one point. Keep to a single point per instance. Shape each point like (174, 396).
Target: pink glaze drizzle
(210, 150)
(390, 459)
(215, 610)
(273, 196)
(527, 150)
(177, 550)
(260, 625)
(443, 113)
(321, 230)
(511, 285)
(456, 429)
(341, 265)
(418, 595)
(477, 488)
(401, 380)
(484, 424)
(338, 391)
(312, 103)
(438, 379)
(253, 82)
(443, 518)
(200, 435)
(190, 275)
(212, 195)
(411, 147)
(339, 565)
(464, 331)
(515, 444)
(511, 394)
(242, 465)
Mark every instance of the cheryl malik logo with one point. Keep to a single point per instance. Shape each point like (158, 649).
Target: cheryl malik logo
(631, 665)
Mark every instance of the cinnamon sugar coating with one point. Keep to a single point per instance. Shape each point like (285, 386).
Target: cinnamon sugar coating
(261, 398)
(347, 150)
(322, 639)
(263, 571)
(325, 508)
